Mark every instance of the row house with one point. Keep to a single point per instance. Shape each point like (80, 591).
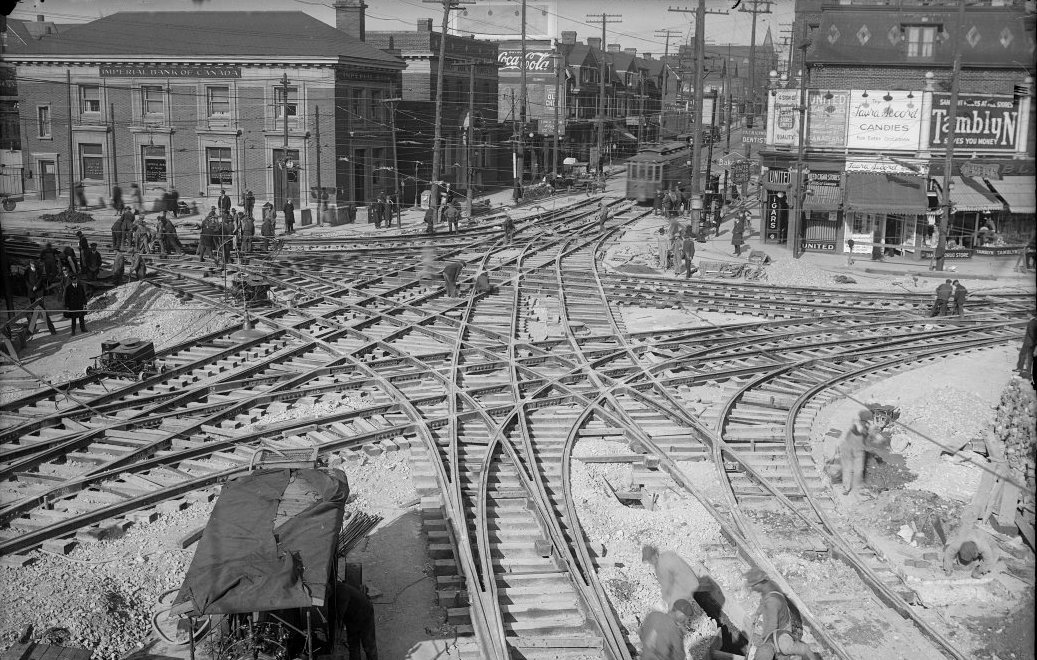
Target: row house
(276, 102)
(871, 160)
(469, 77)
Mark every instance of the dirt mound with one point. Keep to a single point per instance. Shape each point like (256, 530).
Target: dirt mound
(68, 217)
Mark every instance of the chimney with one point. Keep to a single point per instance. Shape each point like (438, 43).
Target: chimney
(594, 42)
(646, 56)
(630, 51)
(424, 25)
(349, 18)
(39, 18)
(569, 38)
(612, 48)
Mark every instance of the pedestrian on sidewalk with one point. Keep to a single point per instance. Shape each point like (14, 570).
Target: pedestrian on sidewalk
(943, 295)
(75, 303)
(849, 251)
(289, 216)
(959, 298)
(738, 235)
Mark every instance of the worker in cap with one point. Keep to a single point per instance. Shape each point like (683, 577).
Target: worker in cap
(771, 625)
(852, 451)
(677, 578)
(971, 546)
(662, 633)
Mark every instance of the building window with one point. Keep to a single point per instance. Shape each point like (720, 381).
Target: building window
(920, 40)
(155, 164)
(356, 103)
(279, 102)
(152, 101)
(220, 172)
(89, 98)
(91, 159)
(43, 121)
(219, 101)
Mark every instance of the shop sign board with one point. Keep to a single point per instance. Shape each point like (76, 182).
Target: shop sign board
(914, 167)
(783, 123)
(1003, 251)
(948, 254)
(148, 71)
(887, 121)
(820, 246)
(987, 169)
(754, 136)
(773, 220)
(988, 122)
(740, 172)
(537, 61)
(826, 118)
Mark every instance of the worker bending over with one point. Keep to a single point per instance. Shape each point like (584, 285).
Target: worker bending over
(662, 633)
(356, 615)
(772, 623)
(971, 546)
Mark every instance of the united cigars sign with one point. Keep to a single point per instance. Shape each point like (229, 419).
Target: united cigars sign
(537, 61)
(989, 123)
(170, 71)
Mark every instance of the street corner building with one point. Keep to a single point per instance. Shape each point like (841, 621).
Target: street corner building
(276, 102)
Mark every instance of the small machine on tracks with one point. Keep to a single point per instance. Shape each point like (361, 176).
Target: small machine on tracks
(128, 358)
(252, 290)
(262, 584)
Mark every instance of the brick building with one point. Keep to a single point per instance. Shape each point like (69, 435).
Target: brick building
(471, 65)
(193, 100)
(877, 82)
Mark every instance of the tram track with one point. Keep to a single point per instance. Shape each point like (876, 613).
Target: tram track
(497, 387)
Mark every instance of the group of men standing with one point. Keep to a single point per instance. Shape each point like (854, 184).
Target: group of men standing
(676, 243)
(945, 293)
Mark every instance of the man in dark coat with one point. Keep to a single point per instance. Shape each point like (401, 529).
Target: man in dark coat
(688, 252)
(451, 214)
(80, 195)
(378, 210)
(49, 259)
(174, 202)
(35, 282)
(226, 239)
(75, 303)
(223, 204)
(451, 271)
(943, 295)
(356, 615)
(738, 234)
(91, 263)
(68, 258)
(207, 238)
(289, 216)
(117, 233)
(118, 267)
(267, 229)
(248, 231)
(430, 220)
(960, 292)
(117, 202)
(84, 247)
(250, 202)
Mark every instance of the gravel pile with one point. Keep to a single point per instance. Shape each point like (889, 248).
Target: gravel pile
(102, 594)
(679, 523)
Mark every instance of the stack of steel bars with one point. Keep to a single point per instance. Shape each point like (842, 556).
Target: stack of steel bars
(356, 528)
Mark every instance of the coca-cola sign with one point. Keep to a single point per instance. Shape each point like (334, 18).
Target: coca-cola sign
(537, 61)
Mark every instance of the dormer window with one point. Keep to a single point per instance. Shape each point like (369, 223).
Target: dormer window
(920, 39)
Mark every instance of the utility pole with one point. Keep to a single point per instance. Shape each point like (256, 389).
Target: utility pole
(396, 162)
(320, 190)
(952, 120)
(666, 76)
(522, 102)
(727, 143)
(516, 176)
(284, 151)
(755, 11)
(798, 193)
(470, 132)
(558, 84)
(605, 20)
(437, 146)
(111, 127)
(71, 157)
(700, 55)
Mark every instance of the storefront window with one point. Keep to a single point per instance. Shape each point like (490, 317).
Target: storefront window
(155, 165)
(220, 172)
(91, 162)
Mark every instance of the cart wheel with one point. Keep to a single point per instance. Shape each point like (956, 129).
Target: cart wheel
(9, 204)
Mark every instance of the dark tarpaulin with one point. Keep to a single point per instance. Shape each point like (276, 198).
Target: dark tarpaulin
(241, 565)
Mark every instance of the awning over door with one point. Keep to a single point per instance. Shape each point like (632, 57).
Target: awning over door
(1018, 193)
(885, 193)
(822, 198)
(970, 195)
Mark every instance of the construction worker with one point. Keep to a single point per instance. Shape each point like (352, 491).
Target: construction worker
(852, 451)
(662, 633)
(509, 228)
(451, 271)
(451, 214)
(688, 252)
(971, 545)
(772, 623)
(356, 615)
(91, 262)
(943, 295)
(677, 579)
(603, 215)
(959, 298)
(118, 267)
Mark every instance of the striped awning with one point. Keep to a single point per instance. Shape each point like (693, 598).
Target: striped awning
(967, 194)
(1018, 193)
(822, 198)
(885, 193)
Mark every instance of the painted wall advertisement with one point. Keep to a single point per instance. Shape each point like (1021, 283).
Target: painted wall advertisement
(990, 123)
(783, 124)
(826, 118)
(537, 61)
(888, 121)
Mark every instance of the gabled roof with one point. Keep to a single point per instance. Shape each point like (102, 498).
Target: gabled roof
(22, 33)
(262, 35)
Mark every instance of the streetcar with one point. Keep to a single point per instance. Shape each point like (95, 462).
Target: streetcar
(657, 167)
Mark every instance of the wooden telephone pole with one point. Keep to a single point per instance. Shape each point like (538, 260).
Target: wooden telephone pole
(700, 55)
(750, 121)
(605, 19)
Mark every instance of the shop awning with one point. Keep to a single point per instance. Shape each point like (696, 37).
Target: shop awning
(1017, 191)
(822, 198)
(970, 195)
(885, 193)
(775, 186)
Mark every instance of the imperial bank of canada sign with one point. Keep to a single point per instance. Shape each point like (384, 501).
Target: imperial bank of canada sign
(537, 61)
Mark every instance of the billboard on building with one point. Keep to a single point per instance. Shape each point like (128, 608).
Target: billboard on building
(783, 122)
(537, 62)
(827, 112)
(988, 123)
(887, 121)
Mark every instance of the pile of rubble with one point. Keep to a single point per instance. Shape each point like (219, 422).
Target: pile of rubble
(1014, 423)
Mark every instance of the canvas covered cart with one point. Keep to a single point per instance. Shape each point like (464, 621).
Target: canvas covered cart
(264, 572)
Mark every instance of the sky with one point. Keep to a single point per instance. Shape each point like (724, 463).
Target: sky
(640, 19)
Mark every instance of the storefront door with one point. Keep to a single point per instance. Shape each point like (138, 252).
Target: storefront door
(292, 190)
(48, 180)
